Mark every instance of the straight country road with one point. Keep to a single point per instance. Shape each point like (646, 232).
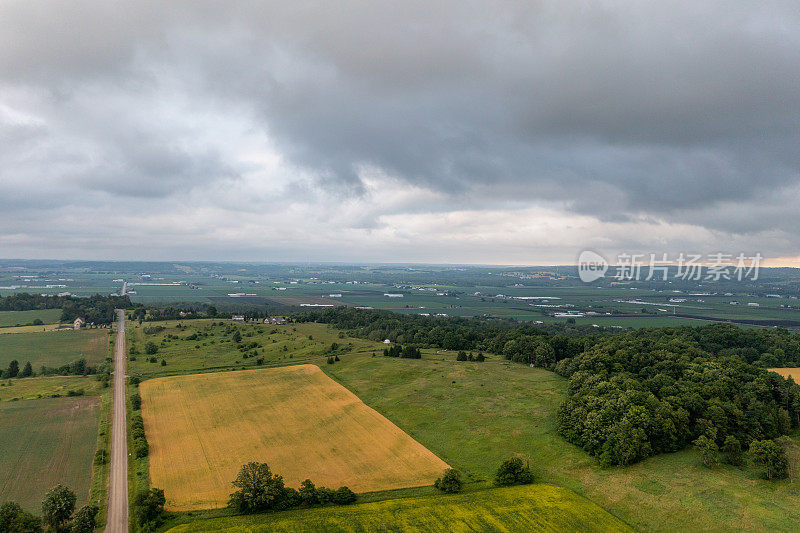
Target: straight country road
(117, 521)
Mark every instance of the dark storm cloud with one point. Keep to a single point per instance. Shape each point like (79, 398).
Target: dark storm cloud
(678, 110)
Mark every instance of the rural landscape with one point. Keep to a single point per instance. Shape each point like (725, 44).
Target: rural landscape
(270, 415)
(425, 267)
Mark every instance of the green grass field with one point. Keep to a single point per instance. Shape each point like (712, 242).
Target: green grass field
(473, 415)
(280, 345)
(46, 442)
(22, 318)
(47, 386)
(526, 508)
(54, 348)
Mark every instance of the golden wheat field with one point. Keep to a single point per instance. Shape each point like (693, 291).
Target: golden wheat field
(786, 372)
(201, 428)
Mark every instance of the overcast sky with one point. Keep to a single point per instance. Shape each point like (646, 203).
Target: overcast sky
(447, 132)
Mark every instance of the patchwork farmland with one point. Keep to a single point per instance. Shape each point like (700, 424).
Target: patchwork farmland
(201, 428)
(46, 442)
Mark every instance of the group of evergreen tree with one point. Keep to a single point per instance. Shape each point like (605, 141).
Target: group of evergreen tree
(464, 356)
(405, 352)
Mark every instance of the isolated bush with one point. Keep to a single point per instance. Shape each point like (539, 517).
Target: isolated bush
(83, 521)
(513, 472)
(100, 457)
(450, 481)
(151, 348)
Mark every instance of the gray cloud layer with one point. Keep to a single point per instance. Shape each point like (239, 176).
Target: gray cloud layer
(348, 120)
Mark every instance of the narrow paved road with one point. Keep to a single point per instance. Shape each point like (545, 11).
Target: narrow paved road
(117, 521)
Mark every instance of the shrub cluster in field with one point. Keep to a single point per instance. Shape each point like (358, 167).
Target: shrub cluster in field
(260, 490)
(464, 356)
(58, 514)
(406, 352)
(75, 368)
(511, 472)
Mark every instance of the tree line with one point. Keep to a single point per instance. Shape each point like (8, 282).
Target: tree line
(98, 309)
(260, 490)
(58, 515)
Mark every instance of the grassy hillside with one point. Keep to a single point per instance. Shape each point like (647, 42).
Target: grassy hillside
(46, 442)
(473, 415)
(21, 318)
(216, 350)
(54, 348)
(527, 508)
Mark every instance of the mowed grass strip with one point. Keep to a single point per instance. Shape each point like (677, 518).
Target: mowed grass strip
(46, 442)
(201, 429)
(54, 348)
(525, 508)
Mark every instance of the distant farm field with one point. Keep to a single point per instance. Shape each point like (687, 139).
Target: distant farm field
(787, 372)
(54, 348)
(201, 428)
(21, 318)
(47, 386)
(46, 442)
(526, 508)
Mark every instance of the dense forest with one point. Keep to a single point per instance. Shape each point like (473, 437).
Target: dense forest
(98, 309)
(631, 394)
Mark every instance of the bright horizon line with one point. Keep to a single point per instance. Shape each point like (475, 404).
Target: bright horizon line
(773, 262)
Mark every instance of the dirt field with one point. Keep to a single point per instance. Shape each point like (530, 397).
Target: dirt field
(786, 372)
(201, 428)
